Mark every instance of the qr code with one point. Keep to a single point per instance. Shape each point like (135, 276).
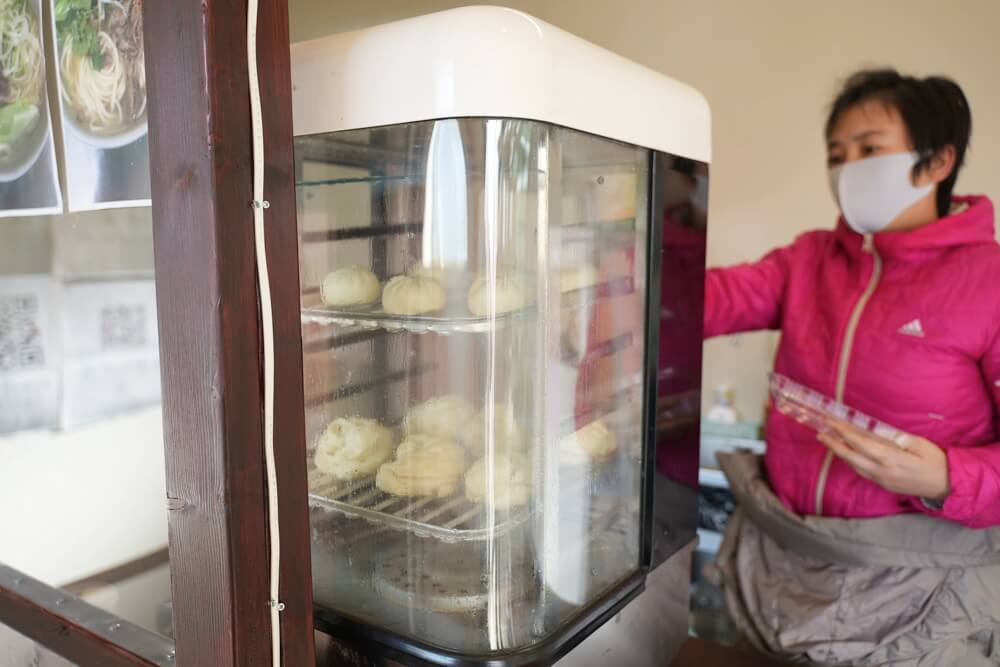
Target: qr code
(20, 334)
(123, 326)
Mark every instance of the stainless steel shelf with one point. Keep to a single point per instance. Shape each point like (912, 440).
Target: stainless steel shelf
(369, 232)
(376, 318)
(355, 180)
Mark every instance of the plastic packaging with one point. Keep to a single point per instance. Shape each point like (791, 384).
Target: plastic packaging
(813, 409)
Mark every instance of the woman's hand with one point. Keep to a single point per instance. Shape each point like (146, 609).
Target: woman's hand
(914, 467)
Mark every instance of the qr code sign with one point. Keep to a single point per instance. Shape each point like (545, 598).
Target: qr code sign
(123, 326)
(20, 333)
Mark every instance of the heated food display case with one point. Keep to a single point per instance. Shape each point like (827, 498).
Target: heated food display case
(496, 219)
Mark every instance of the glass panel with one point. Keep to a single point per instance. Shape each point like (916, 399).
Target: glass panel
(81, 442)
(682, 188)
(473, 297)
(82, 477)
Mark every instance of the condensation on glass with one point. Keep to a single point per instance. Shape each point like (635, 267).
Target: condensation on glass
(474, 324)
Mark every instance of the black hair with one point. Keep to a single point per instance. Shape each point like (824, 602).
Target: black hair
(934, 110)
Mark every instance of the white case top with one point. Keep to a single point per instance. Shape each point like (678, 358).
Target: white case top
(491, 62)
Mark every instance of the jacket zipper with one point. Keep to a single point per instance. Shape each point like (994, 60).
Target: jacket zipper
(845, 356)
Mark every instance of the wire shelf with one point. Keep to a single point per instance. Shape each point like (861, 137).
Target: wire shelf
(373, 317)
(451, 519)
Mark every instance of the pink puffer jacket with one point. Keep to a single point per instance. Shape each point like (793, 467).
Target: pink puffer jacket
(902, 326)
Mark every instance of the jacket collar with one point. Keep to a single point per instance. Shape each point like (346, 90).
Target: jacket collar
(972, 225)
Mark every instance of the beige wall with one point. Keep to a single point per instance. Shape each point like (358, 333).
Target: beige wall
(768, 68)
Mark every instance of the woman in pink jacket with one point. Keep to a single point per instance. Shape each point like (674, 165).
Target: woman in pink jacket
(849, 549)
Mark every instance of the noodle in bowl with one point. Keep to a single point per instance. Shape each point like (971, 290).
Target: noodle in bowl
(104, 102)
(22, 63)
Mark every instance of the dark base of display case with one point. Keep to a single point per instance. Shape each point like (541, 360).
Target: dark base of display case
(376, 645)
(644, 627)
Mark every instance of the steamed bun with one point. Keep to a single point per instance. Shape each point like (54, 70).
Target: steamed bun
(511, 476)
(425, 465)
(510, 292)
(350, 286)
(353, 447)
(447, 416)
(413, 295)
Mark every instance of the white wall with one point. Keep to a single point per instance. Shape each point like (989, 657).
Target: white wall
(769, 69)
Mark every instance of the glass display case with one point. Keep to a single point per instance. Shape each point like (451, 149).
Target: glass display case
(473, 307)
(480, 312)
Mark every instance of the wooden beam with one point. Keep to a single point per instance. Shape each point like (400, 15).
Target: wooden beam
(209, 330)
(74, 629)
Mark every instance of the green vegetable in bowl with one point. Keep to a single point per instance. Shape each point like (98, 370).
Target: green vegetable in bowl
(16, 119)
(64, 7)
(78, 19)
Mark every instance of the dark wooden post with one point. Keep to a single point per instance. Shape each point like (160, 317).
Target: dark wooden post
(209, 330)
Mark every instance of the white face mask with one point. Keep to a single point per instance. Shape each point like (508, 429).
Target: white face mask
(872, 192)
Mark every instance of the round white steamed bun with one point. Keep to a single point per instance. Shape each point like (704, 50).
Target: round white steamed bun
(510, 293)
(511, 475)
(412, 295)
(446, 416)
(350, 286)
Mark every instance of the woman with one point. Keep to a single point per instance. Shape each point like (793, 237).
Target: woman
(848, 549)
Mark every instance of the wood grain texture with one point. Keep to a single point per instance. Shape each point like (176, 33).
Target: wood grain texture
(61, 634)
(209, 330)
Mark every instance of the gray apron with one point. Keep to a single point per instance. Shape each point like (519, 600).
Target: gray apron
(907, 590)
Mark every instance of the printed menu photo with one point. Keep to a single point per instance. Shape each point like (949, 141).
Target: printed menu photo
(102, 102)
(29, 178)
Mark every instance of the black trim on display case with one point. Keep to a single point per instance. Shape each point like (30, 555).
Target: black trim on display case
(367, 637)
(679, 217)
(658, 163)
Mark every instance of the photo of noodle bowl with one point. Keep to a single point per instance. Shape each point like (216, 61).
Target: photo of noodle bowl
(24, 114)
(102, 69)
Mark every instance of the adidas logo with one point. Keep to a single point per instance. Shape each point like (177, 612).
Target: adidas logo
(914, 328)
